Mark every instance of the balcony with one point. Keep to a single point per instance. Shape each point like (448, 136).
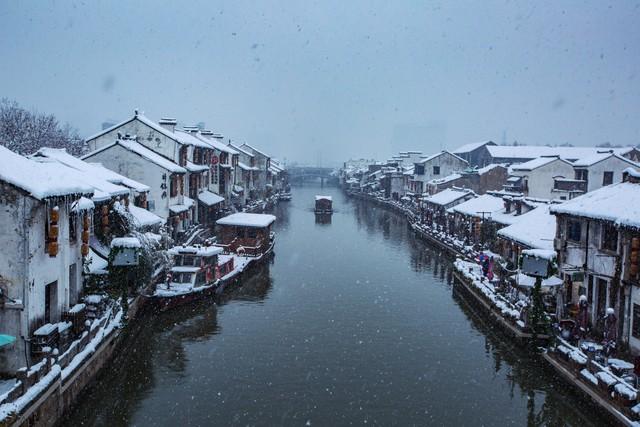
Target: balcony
(569, 185)
(515, 184)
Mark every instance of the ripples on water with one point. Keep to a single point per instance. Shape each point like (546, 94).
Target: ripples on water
(354, 322)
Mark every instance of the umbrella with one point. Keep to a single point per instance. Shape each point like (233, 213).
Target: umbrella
(6, 340)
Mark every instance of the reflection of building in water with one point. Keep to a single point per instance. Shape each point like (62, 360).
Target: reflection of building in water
(522, 373)
(323, 218)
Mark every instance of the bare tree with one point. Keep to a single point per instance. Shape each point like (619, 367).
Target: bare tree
(26, 131)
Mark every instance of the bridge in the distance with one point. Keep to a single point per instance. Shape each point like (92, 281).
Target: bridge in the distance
(308, 173)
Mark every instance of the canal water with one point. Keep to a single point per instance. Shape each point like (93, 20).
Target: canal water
(354, 322)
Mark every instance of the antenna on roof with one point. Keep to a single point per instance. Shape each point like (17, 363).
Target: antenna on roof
(135, 111)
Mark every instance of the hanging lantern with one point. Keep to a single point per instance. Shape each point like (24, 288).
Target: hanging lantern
(85, 236)
(105, 210)
(53, 231)
(105, 220)
(86, 222)
(54, 214)
(52, 248)
(84, 249)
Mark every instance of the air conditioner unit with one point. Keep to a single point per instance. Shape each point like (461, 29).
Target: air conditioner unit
(557, 244)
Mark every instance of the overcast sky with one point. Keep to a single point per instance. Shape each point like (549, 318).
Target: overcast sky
(325, 81)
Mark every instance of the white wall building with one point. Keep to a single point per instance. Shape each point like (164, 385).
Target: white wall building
(435, 166)
(535, 178)
(41, 264)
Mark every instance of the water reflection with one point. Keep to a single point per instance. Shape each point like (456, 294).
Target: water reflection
(323, 218)
(353, 322)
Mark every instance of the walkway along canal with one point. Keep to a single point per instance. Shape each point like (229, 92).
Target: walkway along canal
(355, 321)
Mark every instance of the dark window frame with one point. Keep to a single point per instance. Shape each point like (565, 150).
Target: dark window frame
(574, 230)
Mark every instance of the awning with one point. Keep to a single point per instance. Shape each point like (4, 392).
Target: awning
(185, 206)
(6, 340)
(247, 167)
(209, 198)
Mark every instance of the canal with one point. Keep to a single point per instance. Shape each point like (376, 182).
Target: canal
(354, 322)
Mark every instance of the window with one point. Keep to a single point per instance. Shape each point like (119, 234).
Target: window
(151, 205)
(609, 237)
(173, 186)
(582, 174)
(436, 170)
(419, 169)
(574, 231)
(607, 178)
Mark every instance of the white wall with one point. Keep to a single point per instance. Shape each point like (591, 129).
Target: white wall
(596, 171)
(26, 269)
(448, 164)
(137, 167)
(540, 180)
(147, 136)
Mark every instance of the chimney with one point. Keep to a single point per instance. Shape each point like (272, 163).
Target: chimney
(206, 133)
(631, 175)
(168, 123)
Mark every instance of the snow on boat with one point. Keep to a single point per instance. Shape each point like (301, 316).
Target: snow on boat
(324, 205)
(200, 271)
(196, 272)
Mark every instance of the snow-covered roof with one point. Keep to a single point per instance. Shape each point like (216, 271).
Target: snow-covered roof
(534, 229)
(96, 264)
(433, 156)
(195, 250)
(192, 167)
(448, 196)
(247, 167)
(241, 150)
(40, 180)
(142, 118)
(187, 138)
(126, 242)
(141, 150)
(244, 219)
(528, 152)
(144, 218)
(103, 189)
(182, 207)
(488, 168)
(445, 179)
(324, 198)
(82, 204)
(470, 147)
(209, 198)
(537, 162)
(484, 203)
(116, 178)
(548, 254)
(217, 143)
(255, 150)
(598, 157)
(618, 203)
